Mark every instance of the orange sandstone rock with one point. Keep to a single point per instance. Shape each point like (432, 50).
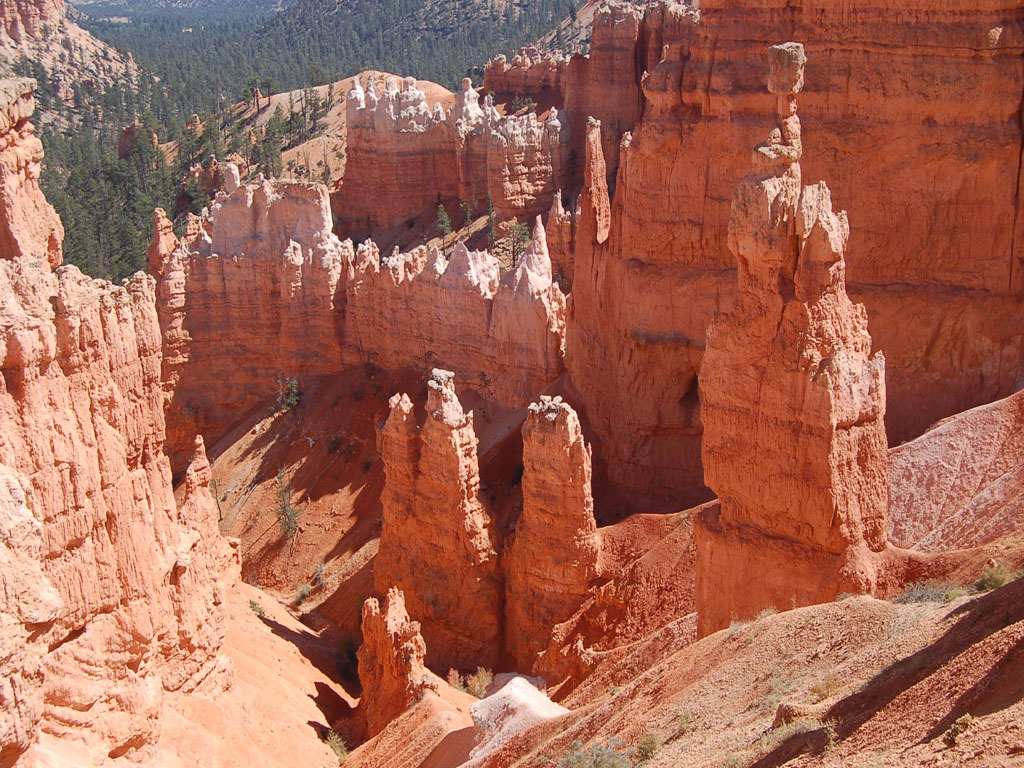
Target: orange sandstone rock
(553, 557)
(29, 227)
(391, 669)
(793, 401)
(255, 296)
(437, 543)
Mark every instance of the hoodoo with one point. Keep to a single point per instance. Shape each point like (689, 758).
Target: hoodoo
(553, 559)
(438, 544)
(793, 401)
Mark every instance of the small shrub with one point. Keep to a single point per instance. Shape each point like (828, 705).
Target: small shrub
(682, 725)
(456, 680)
(776, 690)
(995, 576)
(648, 745)
(477, 683)
(520, 103)
(302, 593)
(956, 730)
(257, 608)
(288, 395)
(596, 756)
(824, 689)
(337, 745)
(613, 690)
(287, 515)
(771, 610)
(318, 574)
(925, 592)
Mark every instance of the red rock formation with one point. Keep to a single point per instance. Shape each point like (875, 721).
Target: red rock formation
(391, 669)
(256, 297)
(553, 557)
(530, 72)
(81, 414)
(28, 603)
(940, 150)
(961, 484)
(20, 17)
(559, 231)
(404, 157)
(29, 227)
(604, 86)
(793, 401)
(437, 544)
(503, 338)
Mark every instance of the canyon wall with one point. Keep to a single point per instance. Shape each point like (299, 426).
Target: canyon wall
(792, 399)
(255, 297)
(262, 291)
(912, 113)
(28, 17)
(501, 335)
(116, 589)
(403, 157)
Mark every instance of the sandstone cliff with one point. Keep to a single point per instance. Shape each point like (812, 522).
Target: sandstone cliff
(262, 291)
(118, 584)
(438, 544)
(404, 157)
(792, 399)
(881, 104)
(29, 227)
(19, 18)
(254, 298)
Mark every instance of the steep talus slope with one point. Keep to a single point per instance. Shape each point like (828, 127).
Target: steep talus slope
(960, 483)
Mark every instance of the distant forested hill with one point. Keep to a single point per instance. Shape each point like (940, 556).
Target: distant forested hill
(204, 61)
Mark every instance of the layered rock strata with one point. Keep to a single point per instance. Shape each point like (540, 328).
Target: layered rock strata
(134, 607)
(255, 297)
(941, 152)
(553, 558)
(438, 544)
(404, 157)
(29, 227)
(262, 291)
(21, 18)
(418, 310)
(793, 401)
(391, 662)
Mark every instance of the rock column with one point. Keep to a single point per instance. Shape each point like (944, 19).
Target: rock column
(792, 399)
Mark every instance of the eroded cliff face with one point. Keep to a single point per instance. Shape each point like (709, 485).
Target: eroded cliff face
(261, 291)
(940, 153)
(404, 157)
(792, 399)
(438, 543)
(256, 296)
(29, 227)
(502, 335)
(19, 18)
(117, 588)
